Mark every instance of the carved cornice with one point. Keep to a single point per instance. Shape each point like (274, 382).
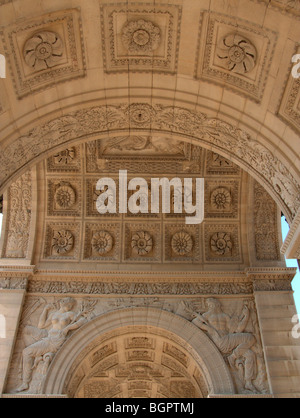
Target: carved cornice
(272, 279)
(271, 273)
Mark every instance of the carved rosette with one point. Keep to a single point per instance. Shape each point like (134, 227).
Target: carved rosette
(221, 199)
(62, 242)
(65, 196)
(182, 243)
(237, 53)
(142, 243)
(102, 242)
(221, 243)
(141, 37)
(65, 157)
(43, 50)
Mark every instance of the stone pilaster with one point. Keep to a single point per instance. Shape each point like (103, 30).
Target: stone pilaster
(13, 285)
(276, 312)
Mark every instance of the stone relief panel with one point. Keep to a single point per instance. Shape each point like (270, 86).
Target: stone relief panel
(142, 155)
(48, 321)
(239, 60)
(237, 336)
(140, 36)
(19, 212)
(45, 51)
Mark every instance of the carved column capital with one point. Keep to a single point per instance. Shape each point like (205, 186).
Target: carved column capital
(271, 279)
(15, 278)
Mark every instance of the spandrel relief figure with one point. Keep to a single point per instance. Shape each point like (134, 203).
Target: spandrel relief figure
(55, 324)
(228, 333)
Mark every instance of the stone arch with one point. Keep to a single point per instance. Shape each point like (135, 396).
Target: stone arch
(222, 137)
(154, 321)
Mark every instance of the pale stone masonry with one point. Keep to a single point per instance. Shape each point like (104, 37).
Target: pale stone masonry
(147, 305)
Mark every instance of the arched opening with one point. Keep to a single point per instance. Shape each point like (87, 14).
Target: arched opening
(151, 347)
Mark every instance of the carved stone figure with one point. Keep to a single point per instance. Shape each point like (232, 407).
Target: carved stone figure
(231, 339)
(53, 328)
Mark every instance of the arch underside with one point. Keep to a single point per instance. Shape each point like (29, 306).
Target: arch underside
(144, 119)
(153, 354)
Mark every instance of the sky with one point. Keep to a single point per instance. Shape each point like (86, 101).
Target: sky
(290, 263)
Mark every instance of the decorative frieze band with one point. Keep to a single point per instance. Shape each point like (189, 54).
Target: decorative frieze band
(163, 288)
(9, 283)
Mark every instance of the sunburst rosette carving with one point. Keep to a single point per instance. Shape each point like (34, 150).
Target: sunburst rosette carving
(141, 243)
(237, 54)
(102, 242)
(182, 243)
(221, 243)
(62, 242)
(65, 196)
(43, 50)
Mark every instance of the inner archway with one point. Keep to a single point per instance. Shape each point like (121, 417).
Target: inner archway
(152, 354)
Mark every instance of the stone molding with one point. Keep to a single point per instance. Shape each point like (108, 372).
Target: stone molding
(162, 283)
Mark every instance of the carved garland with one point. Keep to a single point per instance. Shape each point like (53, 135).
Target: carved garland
(213, 132)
